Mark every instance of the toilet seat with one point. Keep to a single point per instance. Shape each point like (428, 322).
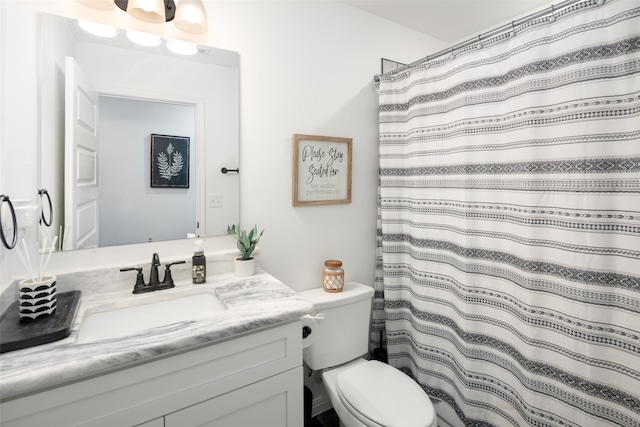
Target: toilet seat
(379, 395)
(356, 414)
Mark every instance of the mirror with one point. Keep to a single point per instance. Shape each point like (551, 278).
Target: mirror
(139, 92)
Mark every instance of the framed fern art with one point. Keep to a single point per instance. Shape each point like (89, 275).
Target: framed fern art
(169, 161)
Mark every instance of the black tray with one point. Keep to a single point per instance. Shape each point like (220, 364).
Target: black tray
(16, 334)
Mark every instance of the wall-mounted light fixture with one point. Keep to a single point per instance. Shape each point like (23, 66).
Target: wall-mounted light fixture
(180, 47)
(188, 16)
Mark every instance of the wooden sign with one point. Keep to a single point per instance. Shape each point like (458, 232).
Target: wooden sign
(321, 170)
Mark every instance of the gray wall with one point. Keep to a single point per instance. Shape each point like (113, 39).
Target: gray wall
(130, 210)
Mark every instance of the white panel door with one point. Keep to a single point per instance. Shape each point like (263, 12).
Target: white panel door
(81, 160)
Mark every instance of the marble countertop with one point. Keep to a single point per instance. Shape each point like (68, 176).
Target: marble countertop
(252, 303)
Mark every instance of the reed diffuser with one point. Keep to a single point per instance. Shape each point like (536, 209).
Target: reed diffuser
(37, 294)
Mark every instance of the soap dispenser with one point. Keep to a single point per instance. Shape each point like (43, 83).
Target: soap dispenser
(199, 267)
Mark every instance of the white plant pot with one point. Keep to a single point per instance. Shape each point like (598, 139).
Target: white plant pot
(244, 268)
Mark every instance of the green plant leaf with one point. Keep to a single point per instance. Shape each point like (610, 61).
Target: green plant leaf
(246, 242)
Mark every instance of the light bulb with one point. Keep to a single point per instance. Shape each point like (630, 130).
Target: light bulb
(181, 47)
(143, 39)
(97, 29)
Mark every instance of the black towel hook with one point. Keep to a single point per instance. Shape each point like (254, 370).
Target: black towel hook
(43, 192)
(5, 198)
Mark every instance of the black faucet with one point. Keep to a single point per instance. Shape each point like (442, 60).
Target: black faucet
(154, 283)
(153, 275)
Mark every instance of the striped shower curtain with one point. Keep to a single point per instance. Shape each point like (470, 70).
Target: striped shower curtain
(508, 277)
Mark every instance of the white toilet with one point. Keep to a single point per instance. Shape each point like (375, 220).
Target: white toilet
(363, 393)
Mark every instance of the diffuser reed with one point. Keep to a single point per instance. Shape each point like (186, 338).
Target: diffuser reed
(45, 256)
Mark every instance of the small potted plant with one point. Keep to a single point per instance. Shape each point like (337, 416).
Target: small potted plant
(245, 265)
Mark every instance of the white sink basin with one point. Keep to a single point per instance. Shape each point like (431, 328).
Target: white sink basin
(127, 321)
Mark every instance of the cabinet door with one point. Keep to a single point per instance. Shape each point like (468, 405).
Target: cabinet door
(273, 402)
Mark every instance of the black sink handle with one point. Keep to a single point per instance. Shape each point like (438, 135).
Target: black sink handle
(168, 280)
(137, 288)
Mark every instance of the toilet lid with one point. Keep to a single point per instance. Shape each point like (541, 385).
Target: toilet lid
(385, 396)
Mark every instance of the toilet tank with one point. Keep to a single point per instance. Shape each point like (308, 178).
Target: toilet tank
(343, 334)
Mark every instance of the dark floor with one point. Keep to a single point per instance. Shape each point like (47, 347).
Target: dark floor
(326, 419)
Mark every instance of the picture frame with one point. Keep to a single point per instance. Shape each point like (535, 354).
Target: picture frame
(321, 170)
(169, 161)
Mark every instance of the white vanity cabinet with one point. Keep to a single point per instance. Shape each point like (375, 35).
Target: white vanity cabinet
(265, 403)
(254, 379)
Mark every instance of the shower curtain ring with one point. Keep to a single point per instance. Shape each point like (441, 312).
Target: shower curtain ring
(552, 18)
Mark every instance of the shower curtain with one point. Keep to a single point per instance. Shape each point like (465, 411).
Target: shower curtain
(508, 277)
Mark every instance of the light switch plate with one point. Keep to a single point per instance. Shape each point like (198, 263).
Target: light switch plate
(214, 200)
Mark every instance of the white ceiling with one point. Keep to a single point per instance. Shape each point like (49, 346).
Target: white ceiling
(450, 20)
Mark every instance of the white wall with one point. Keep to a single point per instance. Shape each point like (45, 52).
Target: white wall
(18, 133)
(306, 67)
(51, 144)
(3, 137)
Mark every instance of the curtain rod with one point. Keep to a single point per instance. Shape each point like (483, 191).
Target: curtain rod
(483, 36)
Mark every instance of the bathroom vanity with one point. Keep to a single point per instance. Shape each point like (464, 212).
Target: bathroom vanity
(240, 365)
